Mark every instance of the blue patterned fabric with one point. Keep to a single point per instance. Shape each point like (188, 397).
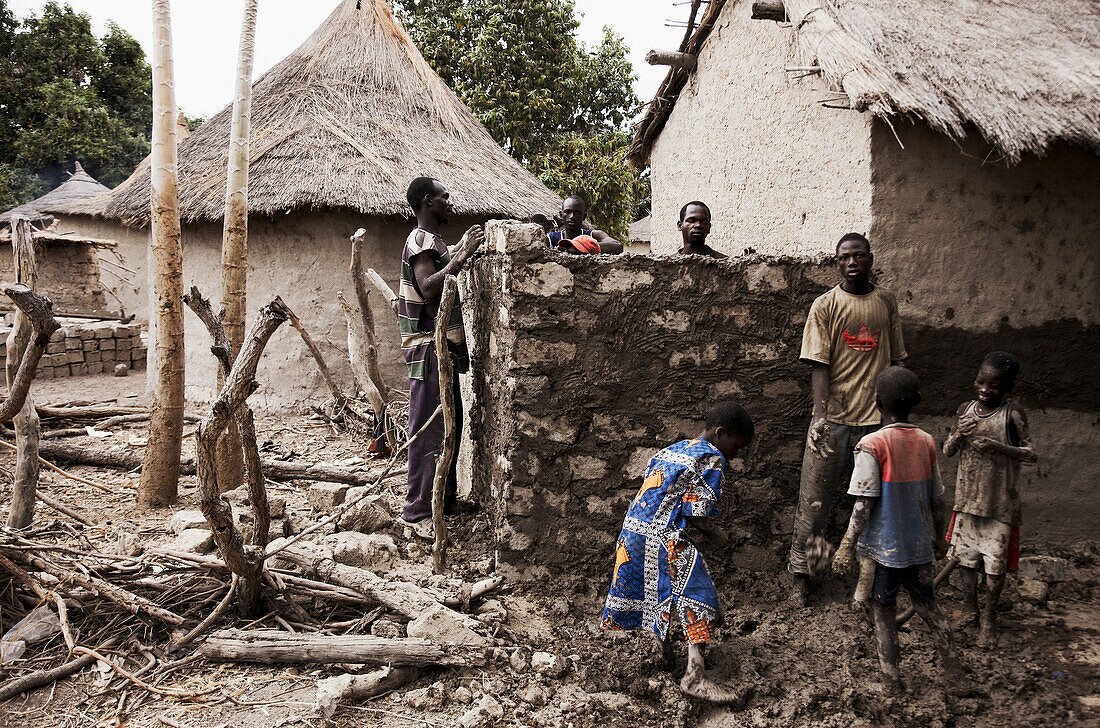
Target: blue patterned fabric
(555, 237)
(657, 568)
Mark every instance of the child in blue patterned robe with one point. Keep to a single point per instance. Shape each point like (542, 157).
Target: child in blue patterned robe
(658, 567)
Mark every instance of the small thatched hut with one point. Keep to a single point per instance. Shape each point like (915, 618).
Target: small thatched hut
(961, 137)
(68, 265)
(338, 130)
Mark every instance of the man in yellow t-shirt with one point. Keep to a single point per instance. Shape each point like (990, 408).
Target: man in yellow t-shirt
(852, 333)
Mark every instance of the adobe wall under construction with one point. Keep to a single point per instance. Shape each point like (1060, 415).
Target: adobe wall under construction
(585, 366)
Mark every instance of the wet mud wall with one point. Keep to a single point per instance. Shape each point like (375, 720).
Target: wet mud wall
(67, 272)
(585, 366)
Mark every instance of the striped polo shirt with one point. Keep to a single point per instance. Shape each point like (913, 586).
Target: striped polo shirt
(416, 318)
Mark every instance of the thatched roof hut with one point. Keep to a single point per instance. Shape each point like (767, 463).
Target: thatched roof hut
(79, 186)
(1023, 74)
(345, 122)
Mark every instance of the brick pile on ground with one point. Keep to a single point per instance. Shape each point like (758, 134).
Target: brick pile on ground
(81, 348)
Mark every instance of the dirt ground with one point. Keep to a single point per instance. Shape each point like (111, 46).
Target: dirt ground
(808, 667)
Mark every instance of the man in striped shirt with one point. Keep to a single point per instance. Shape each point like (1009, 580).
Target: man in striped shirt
(426, 261)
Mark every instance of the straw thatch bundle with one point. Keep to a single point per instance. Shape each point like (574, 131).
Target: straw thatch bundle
(80, 186)
(1024, 73)
(345, 121)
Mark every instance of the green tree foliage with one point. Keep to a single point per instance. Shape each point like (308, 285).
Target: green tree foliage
(65, 96)
(554, 104)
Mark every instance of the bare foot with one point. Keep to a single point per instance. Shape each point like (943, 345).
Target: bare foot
(704, 689)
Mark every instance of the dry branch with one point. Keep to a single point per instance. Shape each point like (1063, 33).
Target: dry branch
(447, 401)
(353, 688)
(240, 382)
(41, 678)
(62, 508)
(315, 352)
(366, 348)
(380, 283)
(277, 647)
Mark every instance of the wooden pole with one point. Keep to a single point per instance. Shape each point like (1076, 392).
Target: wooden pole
(769, 10)
(447, 400)
(380, 283)
(367, 349)
(671, 58)
(160, 468)
(269, 646)
(27, 429)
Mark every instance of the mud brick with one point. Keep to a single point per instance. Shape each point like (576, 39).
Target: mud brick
(94, 367)
(138, 365)
(107, 344)
(90, 345)
(73, 342)
(92, 356)
(43, 373)
(61, 371)
(103, 331)
(78, 370)
(138, 353)
(122, 331)
(85, 334)
(75, 357)
(124, 344)
(55, 347)
(58, 335)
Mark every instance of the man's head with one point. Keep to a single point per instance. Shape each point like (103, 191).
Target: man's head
(729, 428)
(897, 391)
(428, 195)
(694, 223)
(854, 259)
(996, 377)
(573, 210)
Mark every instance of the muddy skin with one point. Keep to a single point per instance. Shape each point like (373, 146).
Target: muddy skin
(985, 615)
(886, 634)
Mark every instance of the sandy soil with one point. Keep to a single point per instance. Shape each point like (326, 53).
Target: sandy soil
(808, 667)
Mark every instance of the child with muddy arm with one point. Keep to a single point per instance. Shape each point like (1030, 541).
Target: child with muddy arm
(991, 438)
(898, 521)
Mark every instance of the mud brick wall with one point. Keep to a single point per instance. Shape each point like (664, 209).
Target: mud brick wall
(585, 366)
(67, 272)
(81, 348)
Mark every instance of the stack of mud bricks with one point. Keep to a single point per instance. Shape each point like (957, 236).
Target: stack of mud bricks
(81, 348)
(585, 366)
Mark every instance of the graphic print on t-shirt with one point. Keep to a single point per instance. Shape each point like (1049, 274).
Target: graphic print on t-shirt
(864, 340)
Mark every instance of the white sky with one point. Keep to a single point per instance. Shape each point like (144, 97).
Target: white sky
(205, 36)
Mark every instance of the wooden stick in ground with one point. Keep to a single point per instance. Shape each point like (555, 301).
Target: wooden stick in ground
(447, 401)
(207, 623)
(948, 567)
(77, 478)
(315, 352)
(366, 349)
(380, 283)
(271, 647)
(41, 678)
(27, 429)
(363, 357)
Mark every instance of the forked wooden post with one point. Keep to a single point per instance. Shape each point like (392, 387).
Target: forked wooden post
(26, 423)
(447, 400)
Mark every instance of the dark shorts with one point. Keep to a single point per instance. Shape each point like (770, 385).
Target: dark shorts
(917, 580)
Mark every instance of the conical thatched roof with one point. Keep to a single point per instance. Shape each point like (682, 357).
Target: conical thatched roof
(80, 186)
(1024, 73)
(345, 121)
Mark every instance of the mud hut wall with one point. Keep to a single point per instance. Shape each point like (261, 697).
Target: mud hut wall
(126, 288)
(68, 273)
(752, 141)
(584, 367)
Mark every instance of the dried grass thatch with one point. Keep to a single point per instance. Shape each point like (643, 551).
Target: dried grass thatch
(80, 186)
(1024, 73)
(345, 121)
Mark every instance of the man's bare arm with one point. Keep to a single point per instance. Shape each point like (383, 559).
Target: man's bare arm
(607, 243)
(964, 428)
(861, 516)
(820, 381)
(939, 524)
(710, 529)
(431, 281)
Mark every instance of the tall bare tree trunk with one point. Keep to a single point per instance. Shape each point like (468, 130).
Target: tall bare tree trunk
(26, 422)
(160, 468)
(235, 236)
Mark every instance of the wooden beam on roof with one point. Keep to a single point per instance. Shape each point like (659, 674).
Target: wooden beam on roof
(675, 59)
(769, 10)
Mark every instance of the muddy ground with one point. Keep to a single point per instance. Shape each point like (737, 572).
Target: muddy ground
(808, 667)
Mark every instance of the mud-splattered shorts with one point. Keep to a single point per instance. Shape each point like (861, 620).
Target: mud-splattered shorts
(980, 542)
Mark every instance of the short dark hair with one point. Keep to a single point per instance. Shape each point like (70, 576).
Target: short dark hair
(1005, 364)
(898, 388)
(731, 417)
(857, 237)
(579, 198)
(684, 209)
(419, 188)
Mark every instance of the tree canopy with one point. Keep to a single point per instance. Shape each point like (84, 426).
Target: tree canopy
(66, 95)
(556, 105)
